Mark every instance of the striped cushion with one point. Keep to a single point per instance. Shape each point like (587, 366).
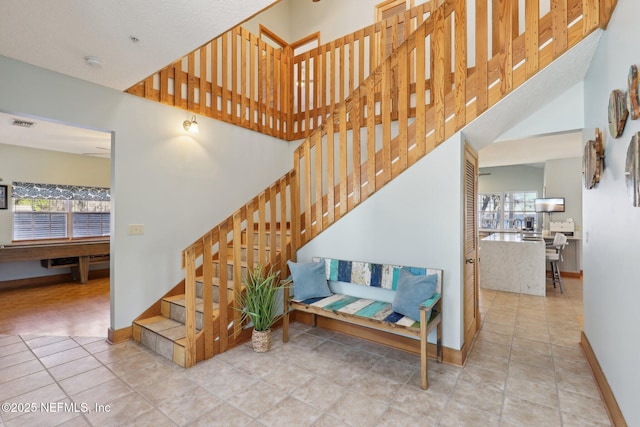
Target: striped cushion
(369, 274)
(362, 307)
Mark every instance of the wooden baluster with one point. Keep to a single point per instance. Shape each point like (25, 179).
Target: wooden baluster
(531, 36)
(361, 64)
(207, 296)
(254, 58)
(342, 117)
(420, 91)
(317, 85)
(559, 26)
(332, 81)
(287, 99)
(250, 207)
(273, 217)
(237, 271)
(342, 68)
(177, 84)
(148, 87)
(223, 301)
(243, 75)
(460, 64)
(355, 118)
(403, 103)
(202, 101)
(215, 113)
(385, 109)
(316, 141)
(505, 43)
(331, 202)
(482, 36)
(284, 254)
(268, 96)
(233, 111)
(190, 307)
(307, 191)
(164, 86)
(191, 77)
(325, 109)
(438, 74)
(262, 228)
(225, 78)
(295, 206)
(351, 64)
(371, 136)
(599, 13)
(307, 101)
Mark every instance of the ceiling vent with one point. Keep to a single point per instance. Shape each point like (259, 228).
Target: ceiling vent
(23, 123)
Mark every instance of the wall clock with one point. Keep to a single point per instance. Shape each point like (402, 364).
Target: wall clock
(632, 93)
(632, 170)
(593, 161)
(617, 112)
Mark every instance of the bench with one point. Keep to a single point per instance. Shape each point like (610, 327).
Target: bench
(362, 293)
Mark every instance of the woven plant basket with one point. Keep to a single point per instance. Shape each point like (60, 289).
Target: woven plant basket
(261, 340)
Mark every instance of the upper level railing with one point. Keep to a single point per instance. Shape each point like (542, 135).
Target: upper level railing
(393, 118)
(240, 79)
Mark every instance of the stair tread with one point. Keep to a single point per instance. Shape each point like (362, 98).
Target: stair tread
(216, 281)
(158, 323)
(181, 301)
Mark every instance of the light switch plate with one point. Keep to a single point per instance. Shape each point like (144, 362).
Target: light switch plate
(136, 229)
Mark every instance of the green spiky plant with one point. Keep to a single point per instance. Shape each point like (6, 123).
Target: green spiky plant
(258, 301)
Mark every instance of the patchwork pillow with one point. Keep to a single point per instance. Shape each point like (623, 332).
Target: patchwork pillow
(309, 280)
(412, 291)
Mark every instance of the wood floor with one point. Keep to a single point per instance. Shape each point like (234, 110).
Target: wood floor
(68, 309)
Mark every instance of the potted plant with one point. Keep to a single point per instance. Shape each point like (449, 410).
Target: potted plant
(259, 303)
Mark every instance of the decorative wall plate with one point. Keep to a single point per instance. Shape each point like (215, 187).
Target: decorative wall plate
(617, 112)
(632, 170)
(632, 93)
(593, 161)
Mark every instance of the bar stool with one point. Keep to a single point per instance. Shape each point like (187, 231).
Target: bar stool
(554, 255)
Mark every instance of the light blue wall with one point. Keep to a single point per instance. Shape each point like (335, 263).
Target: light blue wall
(611, 223)
(511, 178)
(178, 186)
(414, 220)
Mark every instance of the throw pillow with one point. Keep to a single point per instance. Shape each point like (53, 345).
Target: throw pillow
(309, 280)
(412, 291)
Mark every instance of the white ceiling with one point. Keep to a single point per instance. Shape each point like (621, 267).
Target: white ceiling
(534, 150)
(58, 35)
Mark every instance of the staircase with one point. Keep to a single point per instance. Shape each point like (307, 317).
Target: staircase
(403, 106)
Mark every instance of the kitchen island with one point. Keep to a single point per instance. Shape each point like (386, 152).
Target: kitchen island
(513, 263)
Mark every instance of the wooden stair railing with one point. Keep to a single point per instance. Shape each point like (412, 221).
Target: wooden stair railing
(358, 149)
(267, 215)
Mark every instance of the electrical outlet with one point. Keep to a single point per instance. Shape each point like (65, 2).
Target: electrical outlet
(136, 229)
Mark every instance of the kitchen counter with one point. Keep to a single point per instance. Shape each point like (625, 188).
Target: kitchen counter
(513, 263)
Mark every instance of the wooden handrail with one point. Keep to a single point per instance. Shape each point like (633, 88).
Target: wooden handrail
(356, 150)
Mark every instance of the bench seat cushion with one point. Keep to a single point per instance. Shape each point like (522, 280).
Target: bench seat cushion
(348, 306)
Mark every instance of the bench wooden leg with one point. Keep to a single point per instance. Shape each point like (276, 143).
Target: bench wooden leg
(285, 324)
(424, 380)
(439, 342)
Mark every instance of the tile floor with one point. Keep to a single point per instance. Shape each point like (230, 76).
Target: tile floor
(525, 368)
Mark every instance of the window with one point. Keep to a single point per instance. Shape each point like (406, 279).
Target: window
(506, 211)
(44, 211)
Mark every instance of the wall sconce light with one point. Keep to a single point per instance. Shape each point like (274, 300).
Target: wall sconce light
(191, 126)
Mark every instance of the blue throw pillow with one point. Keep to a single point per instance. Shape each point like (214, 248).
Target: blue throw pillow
(309, 280)
(411, 292)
